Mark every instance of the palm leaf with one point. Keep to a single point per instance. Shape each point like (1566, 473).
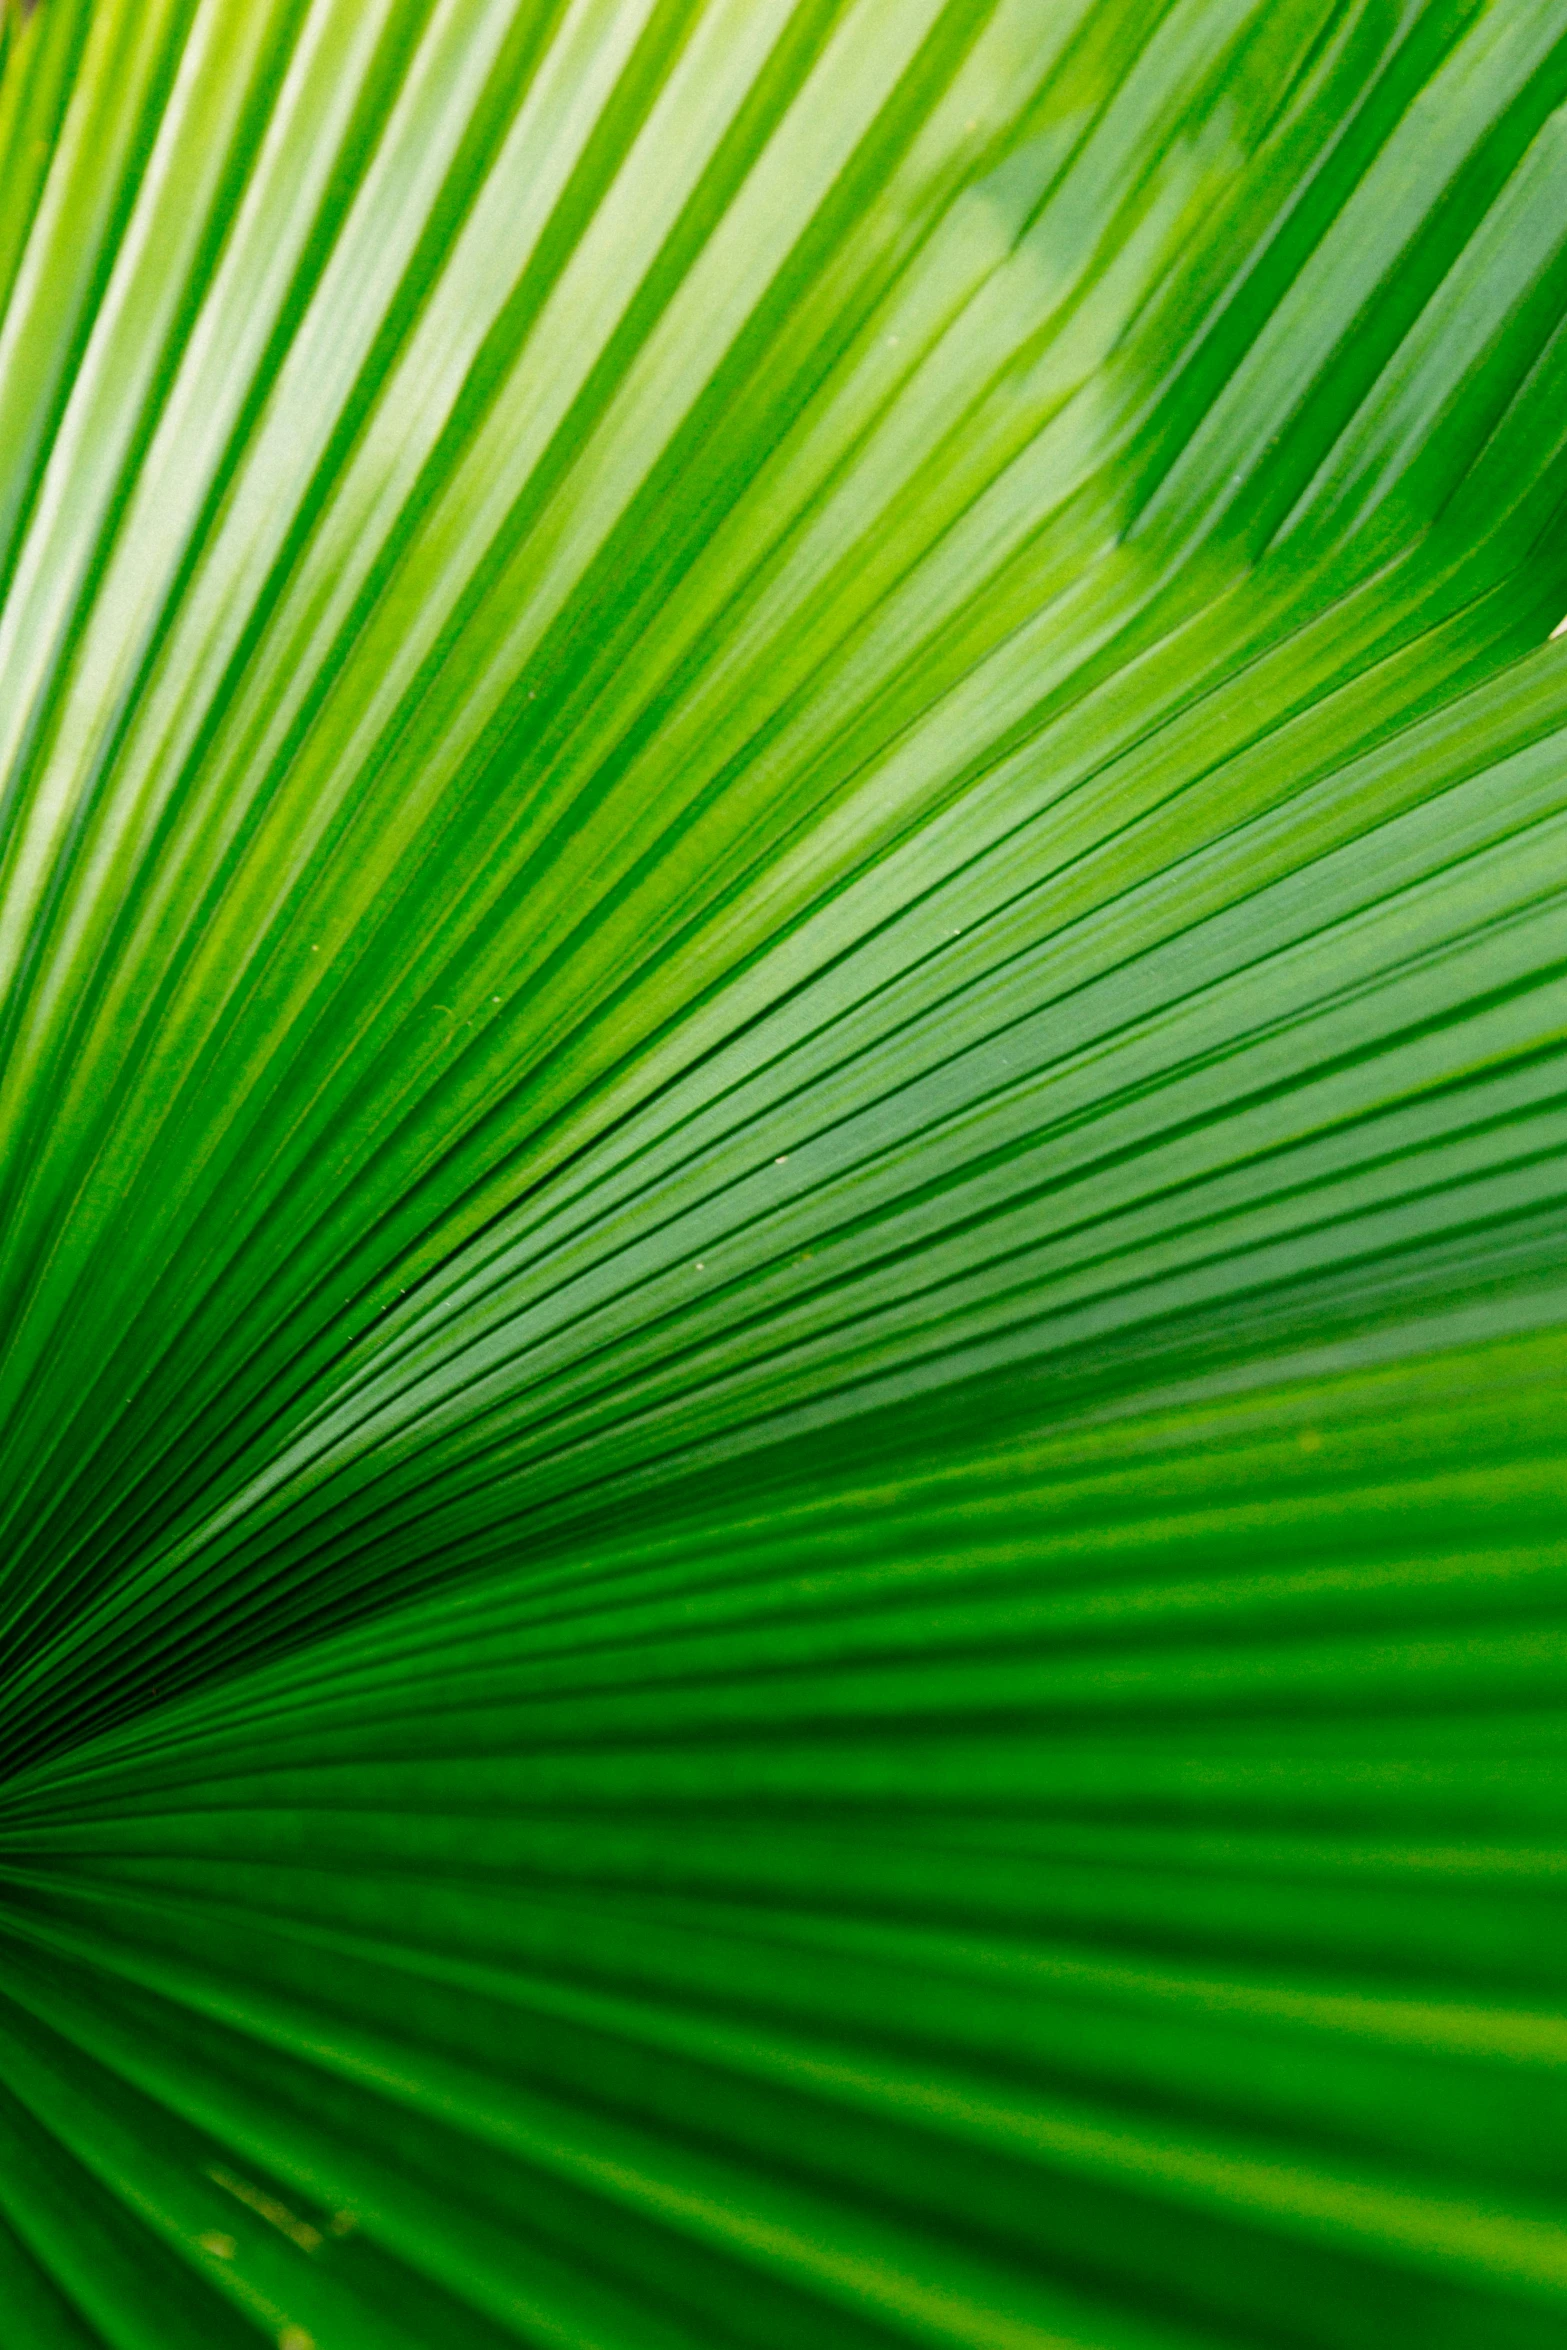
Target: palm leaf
(781, 924)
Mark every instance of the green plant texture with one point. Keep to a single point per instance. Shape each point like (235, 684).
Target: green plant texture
(783, 975)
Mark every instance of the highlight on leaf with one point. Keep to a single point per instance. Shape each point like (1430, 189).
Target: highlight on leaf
(783, 826)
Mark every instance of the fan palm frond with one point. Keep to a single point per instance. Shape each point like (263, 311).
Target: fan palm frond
(783, 959)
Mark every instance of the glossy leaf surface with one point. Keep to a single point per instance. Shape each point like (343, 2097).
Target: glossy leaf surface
(783, 927)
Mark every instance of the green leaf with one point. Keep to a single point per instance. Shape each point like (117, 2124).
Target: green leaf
(784, 982)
